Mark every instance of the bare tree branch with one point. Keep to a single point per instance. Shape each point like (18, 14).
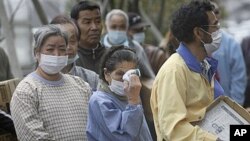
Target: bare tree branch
(160, 19)
(104, 6)
(15, 10)
(133, 6)
(121, 4)
(40, 12)
(157, 34)
(9, 37)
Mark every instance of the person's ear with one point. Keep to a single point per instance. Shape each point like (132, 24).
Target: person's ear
(198, 34)
(36, 54)
(107, 75)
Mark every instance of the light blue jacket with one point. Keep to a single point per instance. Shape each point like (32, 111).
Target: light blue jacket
(231, 68)
(111, 119)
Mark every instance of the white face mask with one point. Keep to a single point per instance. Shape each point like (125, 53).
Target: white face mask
(212, 47)
(117, 87)
(139, 37)
(117, 37)
(72, 60)
(52, 64)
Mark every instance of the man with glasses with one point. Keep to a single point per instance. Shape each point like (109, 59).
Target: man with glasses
(185, 85)
(231, 65)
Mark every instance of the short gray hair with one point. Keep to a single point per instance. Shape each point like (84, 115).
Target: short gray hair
(46, 31)
(116, 12)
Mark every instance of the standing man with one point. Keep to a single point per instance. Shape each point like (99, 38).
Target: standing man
(231, 65)
(117, 24)
(185, 84)
(87, 16)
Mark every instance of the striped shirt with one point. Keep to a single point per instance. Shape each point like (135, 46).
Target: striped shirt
(50, 110)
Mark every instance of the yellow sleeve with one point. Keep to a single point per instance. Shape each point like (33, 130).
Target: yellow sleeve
(169, 96)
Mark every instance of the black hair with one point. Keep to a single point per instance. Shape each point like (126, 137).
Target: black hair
(83, 5)
(62, 19)
(114, 56)
(189, 16)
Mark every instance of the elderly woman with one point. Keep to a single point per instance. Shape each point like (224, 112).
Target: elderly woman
(87, 75)
(115, 110)
(49, 105)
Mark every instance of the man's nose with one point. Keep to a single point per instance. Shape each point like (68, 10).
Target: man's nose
(93, 25)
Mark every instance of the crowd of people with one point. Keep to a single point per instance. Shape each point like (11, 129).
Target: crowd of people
(87, 85)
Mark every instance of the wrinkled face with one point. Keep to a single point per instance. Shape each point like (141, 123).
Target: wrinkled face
(89, 22)
(117, 22)
(53, 45)
(120, 70)
(72, 39)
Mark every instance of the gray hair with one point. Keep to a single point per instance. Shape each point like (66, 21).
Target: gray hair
(116, 12)
(46, 31)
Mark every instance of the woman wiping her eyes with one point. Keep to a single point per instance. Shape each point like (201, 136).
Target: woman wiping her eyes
(115, 110)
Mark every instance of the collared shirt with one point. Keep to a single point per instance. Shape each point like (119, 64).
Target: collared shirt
(111, 118)
(50, 110)
(180, 96)
(205, 68)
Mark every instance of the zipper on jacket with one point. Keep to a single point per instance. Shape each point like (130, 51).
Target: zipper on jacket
(93, 54)
(93, 51)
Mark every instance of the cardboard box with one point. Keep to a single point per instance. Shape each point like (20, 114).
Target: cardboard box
(7, 88)
(222, 113)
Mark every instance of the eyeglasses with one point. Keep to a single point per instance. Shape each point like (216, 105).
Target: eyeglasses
(216, 26)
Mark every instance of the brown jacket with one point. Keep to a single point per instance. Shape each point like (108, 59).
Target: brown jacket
(156, 56)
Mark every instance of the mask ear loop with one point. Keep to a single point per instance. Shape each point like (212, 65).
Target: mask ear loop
(206, 32)
(36, 57)
(202, 42)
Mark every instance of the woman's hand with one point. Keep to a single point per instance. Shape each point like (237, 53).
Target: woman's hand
(132, 89)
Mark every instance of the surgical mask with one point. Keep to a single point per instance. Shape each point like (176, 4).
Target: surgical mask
(117, 87)
(52, 64)
(72, 60)
(212, 47)
(139, 37)
(117, 37)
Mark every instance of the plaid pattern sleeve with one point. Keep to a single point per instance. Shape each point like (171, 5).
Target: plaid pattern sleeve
(46, 112)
